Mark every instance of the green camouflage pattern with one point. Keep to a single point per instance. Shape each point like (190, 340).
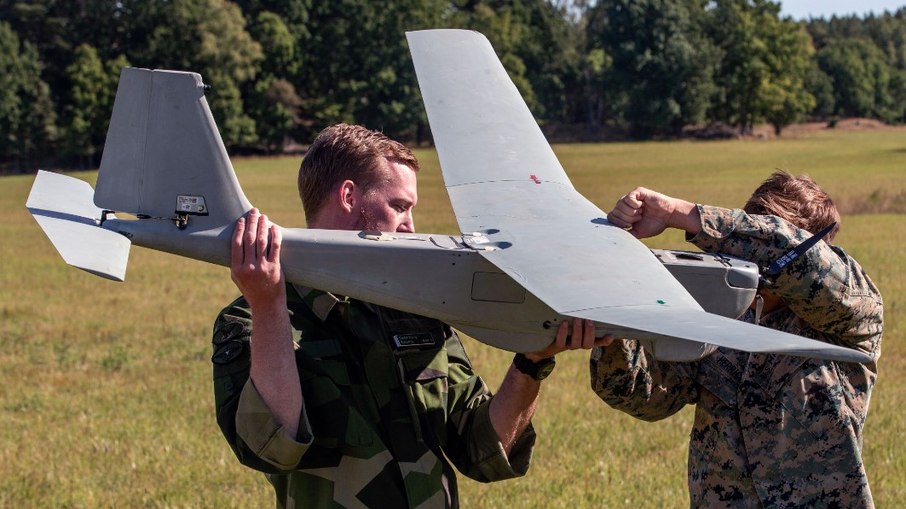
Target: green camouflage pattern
(390, 402)
(770, 430)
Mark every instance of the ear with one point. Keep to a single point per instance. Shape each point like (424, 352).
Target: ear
(346, 195)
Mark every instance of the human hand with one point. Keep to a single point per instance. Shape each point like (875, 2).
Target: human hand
(644, 212)
(581, 338)
(255, 260)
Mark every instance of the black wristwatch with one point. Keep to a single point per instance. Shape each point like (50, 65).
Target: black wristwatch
(537, 370)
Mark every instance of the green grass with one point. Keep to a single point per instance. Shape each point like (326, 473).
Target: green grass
(106, 397)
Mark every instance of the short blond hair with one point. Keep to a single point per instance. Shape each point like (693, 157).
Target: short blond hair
(347, 152)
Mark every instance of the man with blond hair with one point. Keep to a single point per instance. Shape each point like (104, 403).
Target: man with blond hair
(344, 403)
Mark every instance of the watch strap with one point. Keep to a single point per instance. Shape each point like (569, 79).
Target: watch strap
(538, 370)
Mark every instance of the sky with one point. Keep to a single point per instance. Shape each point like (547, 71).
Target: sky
(803, 9)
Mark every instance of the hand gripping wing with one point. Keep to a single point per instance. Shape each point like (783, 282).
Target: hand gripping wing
(512, 197)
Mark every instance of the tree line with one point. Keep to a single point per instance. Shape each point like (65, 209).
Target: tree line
(280, 70)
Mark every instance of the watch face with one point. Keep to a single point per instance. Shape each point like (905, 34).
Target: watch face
(537, 370)
(545, 371)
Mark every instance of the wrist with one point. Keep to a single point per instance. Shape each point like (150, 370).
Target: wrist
(270, 310)
(535, 357)
(685, 216)
(537, 369)
(267, 299)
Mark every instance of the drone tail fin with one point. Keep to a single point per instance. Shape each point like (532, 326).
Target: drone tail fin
(163, 161)
(63, 208)
(164, 155)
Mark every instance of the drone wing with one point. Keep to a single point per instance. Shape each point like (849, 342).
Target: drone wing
(514, 202)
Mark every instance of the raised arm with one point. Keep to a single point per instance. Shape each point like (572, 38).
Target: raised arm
(255, 268)
(825, 287)
(646, 213)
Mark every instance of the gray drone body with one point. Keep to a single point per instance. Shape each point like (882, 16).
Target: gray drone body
(534, 251)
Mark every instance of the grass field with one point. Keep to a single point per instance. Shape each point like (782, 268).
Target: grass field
(106, 399)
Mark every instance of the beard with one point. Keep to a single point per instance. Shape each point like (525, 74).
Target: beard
(367, 222)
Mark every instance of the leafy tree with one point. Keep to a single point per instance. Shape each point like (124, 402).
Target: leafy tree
(553, 58)
(860, 78)
(27, 119)
(45, 29)
(208, 37)
(662, 69)
(898, 95)
(287, 68)
(886, 31)
(764, 67)
(293, 13)
(538, 45)
(93, 87)
(272, 100)
(357, 66)
(57, 27)
(786, 98)
(596, 66)
(863, 86)
(819, 84)
(281, 54)
(275, 106)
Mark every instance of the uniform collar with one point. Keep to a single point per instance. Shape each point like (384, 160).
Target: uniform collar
(320, 303)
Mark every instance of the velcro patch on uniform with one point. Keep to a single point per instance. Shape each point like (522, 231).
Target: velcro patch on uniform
(413, 340)
(228, 352)
(231, 329)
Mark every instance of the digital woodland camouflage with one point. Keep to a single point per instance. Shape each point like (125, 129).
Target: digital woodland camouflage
(387, 396)
(770, 430)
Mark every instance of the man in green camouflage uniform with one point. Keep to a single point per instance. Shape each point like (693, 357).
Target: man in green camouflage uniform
(770, 430)
(347, 404)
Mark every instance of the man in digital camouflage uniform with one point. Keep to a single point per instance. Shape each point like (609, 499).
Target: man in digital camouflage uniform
(325, 398)
(770, 430)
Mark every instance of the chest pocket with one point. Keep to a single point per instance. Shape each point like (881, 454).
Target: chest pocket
(419, 345)
(332, 400)
(425, 377)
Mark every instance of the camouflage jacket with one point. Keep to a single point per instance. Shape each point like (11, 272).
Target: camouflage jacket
(390, 400)
(770, 430)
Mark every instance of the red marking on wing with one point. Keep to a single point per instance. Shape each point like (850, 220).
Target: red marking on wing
(534, 179)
